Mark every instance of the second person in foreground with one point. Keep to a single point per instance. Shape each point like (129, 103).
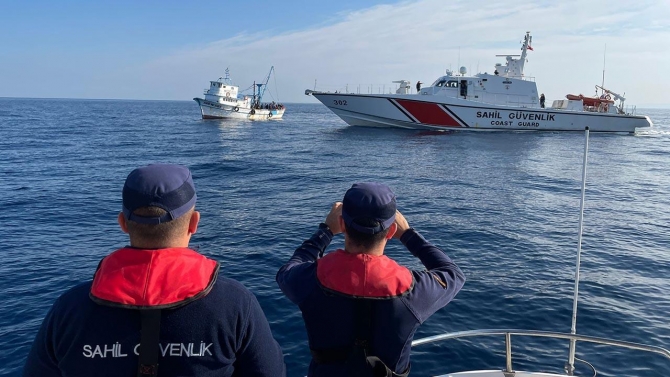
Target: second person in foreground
(361, 309)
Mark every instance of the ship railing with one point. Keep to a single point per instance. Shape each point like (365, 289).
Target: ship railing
(522, 77)
(226, 99)
(380, 88)
(207, 92)
(361, 89)
(536, 333)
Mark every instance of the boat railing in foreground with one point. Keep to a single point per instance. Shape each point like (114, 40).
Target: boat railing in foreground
(543, 334)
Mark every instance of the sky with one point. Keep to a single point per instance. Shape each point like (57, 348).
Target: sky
(170, 50)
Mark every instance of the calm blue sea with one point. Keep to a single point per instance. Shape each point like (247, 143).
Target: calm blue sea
(504, 206)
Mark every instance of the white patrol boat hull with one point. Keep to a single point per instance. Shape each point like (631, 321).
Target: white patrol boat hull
(434, 113)
(213, 110)
(568, 367)
(505, 100)
(499, 373)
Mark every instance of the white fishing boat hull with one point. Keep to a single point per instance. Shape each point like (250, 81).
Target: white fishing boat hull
(213, 110)
(434, 113)
(223, 100)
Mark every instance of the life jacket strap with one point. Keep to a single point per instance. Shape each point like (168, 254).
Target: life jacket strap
(149, 343)
(379, 369)
(331, 355)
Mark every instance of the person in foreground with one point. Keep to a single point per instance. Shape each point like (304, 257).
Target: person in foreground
(156, 307)
(361, 309)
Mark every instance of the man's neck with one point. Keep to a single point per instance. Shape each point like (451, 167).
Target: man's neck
(377, 250)
(138, 244)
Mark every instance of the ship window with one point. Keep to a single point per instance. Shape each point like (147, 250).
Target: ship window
(451, 84)
(440, 83)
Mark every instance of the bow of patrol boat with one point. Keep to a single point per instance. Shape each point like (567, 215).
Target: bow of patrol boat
(508, 370)
(571, 338)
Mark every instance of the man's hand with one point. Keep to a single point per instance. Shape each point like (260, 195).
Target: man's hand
(401, 223)
(333, 218)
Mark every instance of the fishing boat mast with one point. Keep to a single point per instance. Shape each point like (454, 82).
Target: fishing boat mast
(262, 87)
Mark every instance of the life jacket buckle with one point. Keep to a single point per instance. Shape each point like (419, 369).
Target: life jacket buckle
(148, 370)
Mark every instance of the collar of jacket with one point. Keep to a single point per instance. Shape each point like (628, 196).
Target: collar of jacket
(153, 279)
(363, 275)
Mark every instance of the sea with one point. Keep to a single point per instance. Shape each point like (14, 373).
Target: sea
(503, 205)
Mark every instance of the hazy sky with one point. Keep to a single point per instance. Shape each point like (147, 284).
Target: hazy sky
(171, 49)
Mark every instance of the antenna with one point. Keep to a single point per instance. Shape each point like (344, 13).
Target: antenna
(604, 53)
(570, 365)
(459, 56)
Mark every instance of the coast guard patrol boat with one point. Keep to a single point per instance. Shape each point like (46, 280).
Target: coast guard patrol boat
(504, 100)
(223, 100)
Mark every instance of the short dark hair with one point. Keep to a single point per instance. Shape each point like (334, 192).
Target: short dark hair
(366, 240)
(159, 234)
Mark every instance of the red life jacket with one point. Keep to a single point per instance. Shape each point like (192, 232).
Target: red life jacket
(363, 275)
(153, 278)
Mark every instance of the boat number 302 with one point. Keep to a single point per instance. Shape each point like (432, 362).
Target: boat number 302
(340, 102)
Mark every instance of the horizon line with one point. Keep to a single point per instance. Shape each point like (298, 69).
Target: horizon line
(125, 99)
(644, 106)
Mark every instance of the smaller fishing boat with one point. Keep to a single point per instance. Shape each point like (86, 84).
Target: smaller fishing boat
(224, 100)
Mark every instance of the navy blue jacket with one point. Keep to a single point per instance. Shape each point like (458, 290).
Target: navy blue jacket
(329, 316)
(224, 333)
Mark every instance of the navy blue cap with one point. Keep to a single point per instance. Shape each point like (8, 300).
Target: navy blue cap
(166, 186)
(373, 201)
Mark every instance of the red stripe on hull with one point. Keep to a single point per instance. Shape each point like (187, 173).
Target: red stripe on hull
(429, 113)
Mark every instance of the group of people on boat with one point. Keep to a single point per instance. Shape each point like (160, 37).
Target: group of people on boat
(268, 106)
(159, 308)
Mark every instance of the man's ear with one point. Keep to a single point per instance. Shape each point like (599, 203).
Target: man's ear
(122, 222)
(392, 229)
(340, 220)
(193, 222)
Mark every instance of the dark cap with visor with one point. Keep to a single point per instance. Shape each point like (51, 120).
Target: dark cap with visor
(165, 186)
(369, 201)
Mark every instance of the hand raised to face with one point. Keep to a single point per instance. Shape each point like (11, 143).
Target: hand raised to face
(401, 223)
(333, 218)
